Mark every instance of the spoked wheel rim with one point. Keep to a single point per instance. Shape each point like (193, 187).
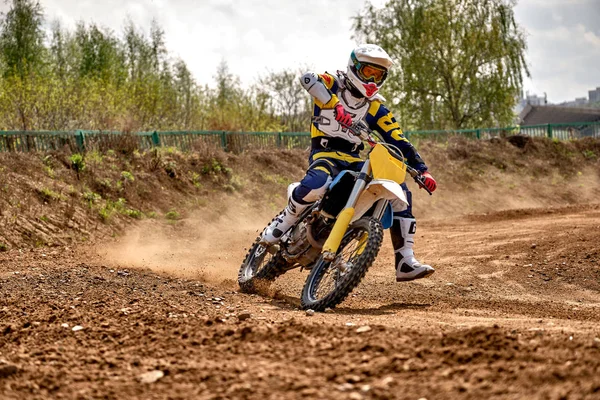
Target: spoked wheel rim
(259, 259)
(352, 247)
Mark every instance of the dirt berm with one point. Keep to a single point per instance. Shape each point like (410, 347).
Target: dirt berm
(117, 280)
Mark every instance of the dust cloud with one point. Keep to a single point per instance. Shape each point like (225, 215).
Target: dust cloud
(210, 244)
(207, 245)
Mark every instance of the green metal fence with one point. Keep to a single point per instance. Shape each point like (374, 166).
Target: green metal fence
(81, 140)
(566, 131)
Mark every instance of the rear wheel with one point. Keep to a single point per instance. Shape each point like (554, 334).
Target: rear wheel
(260, 268)
(329, 283)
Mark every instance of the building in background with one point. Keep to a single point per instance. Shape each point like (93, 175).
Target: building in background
(557, 114)
(573, 122)
(530, 99)
(593, 100)
(594, 96)
(535, 110)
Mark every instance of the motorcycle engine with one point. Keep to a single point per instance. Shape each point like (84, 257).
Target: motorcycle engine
(304, 247)
(297, 242)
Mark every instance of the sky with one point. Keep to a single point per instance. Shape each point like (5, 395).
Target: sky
(258, 36)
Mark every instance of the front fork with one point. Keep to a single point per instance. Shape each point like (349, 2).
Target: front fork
(340, 227)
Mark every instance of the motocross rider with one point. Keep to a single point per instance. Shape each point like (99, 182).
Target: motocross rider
(338, 101)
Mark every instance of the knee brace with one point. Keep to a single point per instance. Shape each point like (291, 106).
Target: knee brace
(313, 186)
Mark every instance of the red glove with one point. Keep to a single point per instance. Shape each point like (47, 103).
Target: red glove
(342, 116)
(429, 182)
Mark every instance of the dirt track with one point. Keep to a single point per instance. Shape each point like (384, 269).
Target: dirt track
(512, 312)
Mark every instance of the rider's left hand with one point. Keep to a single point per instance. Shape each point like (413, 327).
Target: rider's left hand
(428, 181)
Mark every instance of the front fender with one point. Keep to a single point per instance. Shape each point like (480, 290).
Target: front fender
(378, 189)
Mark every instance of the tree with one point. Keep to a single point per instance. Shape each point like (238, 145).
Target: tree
(460, 63)
(101, 56)
(22, 38)
(290, 101)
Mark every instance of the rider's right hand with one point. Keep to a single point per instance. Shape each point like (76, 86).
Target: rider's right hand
(428, 181)
(342, 116)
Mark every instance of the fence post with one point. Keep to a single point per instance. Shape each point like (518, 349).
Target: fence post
(80, 141)
(478, 133)
(224, 140)
(279, 139)
(155, 139)
(550, 131)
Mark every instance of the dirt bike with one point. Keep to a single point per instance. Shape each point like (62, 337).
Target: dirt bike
(339, 236)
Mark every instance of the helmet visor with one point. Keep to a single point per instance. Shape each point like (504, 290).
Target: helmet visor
(371, 73)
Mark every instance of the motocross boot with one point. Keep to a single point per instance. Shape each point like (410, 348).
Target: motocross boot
(407, 267)
(283, 222)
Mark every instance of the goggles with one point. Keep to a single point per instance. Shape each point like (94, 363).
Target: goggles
(369, 72)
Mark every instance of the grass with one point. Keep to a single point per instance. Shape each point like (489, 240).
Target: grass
(171, 169)
(91, 197)
(50, 172)
(279, 180)
(195, 179)
(94, 157)
(77, 163)
(105, 213)
(48, 195)
(132, 213)
(214, 167)
(127, 176)
(173, 215)
(111, 208)
(589, 155)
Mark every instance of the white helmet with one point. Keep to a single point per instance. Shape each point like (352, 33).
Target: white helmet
(368, 68)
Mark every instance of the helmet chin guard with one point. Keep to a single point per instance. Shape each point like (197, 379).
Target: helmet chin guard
(368, 67)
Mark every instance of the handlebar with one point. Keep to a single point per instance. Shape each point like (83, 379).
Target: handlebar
(361, 130)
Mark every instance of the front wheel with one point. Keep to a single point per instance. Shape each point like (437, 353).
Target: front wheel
(329, 283)
(260, 268)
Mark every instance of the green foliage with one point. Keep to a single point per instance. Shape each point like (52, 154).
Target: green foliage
(236, 182)
(91, 197)
(195, 179)
(91, 78)
(127, 176)
(94, 157)
(106, 183)
(48, 195)
(214, 167)
(151, 214)
(50, 172)
(172, 215)
(279, 180)
(22, 48)
(589, 154)
(132, 213)
(105, 213)
(171, 169)
(282, 94)
(77, 163)
(459, 63)
(120, 206)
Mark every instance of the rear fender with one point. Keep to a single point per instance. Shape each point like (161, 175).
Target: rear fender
(378, 189)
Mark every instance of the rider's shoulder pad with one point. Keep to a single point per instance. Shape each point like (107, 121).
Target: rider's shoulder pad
(379, 98)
